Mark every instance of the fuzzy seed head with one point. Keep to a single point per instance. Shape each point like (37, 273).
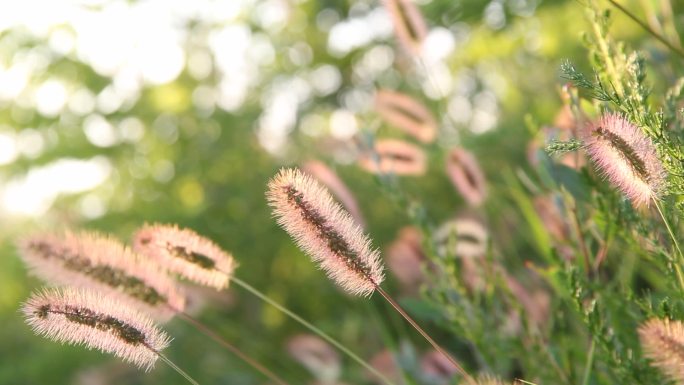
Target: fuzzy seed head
(407, 114)
(103, 264)
(462, 237)
(437, 367)
(317, 356)
(396, 157)
(405, 258)
(626, 157)
(325, 231)
(332, 181)
(185, 253)
(96, 321)
(409, 24)
(466, 176)
(663, 342)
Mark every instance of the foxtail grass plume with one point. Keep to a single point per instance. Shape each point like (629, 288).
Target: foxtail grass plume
(550, 215)
(329, 178)
(663, 342)
(186, 253)
(626, 157)
(394, 156)
(385, 362)
(462, 237)
(537, 303)
(103, 264)
(409, 25)
(405, 258)
(80, 317)
(466, 176)
(325, 231)
(407, 114)
(317, 356)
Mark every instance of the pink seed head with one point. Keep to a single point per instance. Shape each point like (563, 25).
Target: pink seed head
(466, 176)
(396, 157)
(436, 366)
(626, 157)
(405, 259)
(409, 24)
(385, 363)
(186, 253)
(329, 178)
(317, 356)
(663, 343)
(325, 231)
(103, 264)
(96, 321)
(407, 114)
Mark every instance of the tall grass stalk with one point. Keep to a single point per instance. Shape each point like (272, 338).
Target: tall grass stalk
(313, 328)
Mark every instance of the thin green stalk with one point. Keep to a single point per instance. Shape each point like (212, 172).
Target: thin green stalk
(590, 363)
(422, 332)
(253, 363)
(176, 368)
(678, 268)
(648, 29)
(311, 327)
(669, 229)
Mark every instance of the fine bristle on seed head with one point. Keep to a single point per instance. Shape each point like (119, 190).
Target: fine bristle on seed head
(626, 157)
(186, 253)
(96, 321)
(325, 231)
(332, 181)
(663, 342)
(102, 263)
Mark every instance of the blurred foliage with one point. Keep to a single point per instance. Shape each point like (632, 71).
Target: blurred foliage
(189, 152)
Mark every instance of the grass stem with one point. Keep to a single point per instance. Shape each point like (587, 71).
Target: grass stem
(176, 368)
(680, 260)
(646, 28)
(422, 332)
(209, 333)
(589, 364)
(313, 328)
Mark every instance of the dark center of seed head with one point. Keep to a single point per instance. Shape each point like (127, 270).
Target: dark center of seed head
(104, 322)
(110, 276)
(42, 311)
(335, 242)
(196, 258)
(627, 152)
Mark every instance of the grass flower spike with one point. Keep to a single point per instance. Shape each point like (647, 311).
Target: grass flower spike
(409, 24)
(328, 234)
(394, 156)
(663, 342)
(103, 264)
(80, 317)
(325, 231)
(332, 181)
(407, 114)
(317, 356)
(626, 157)
(186, 253)
(466, 176)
